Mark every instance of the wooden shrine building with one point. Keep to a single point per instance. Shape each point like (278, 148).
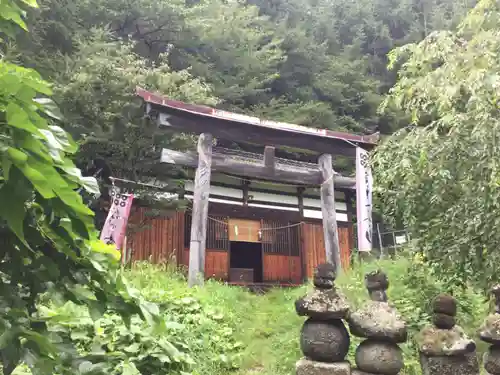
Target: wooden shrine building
(259, 214)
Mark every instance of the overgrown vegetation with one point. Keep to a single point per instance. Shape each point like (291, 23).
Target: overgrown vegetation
(65, 305)
(50, 247)
(219, 329)
(440, 178)
(321, 63)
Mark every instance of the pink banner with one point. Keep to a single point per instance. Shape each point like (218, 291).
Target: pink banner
(116, 223)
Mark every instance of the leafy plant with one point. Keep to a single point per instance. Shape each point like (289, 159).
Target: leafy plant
(260, 333)
(110, 346)
(49, 243)
(440, 178)
(194, 333)
(205, 329)
(96, 92)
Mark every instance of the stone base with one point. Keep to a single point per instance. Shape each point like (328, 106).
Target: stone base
(307, 367)
(379, 357)
(359, 372)
(491, 360)
(355, 371)
(450, 365)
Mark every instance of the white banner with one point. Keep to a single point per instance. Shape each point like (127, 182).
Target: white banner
(364, 185)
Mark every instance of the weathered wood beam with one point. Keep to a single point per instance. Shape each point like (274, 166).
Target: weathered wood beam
(269, 160)
(200, 212)
(245, 187)
(300, 197)
(254, 169)
(233, 130)
(328, 210)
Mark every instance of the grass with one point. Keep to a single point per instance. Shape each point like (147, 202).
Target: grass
(226, 330)
(265, 328)
(266, 325)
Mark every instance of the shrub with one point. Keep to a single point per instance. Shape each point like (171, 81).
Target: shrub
(193, 335)
(219, 330)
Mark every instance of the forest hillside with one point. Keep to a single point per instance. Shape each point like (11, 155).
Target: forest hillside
(320, 63)
(424, 73)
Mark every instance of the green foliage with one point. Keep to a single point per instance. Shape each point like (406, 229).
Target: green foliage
(319, 63)
(336, 53)
(96, 92)
(12, 15)
(200, 318)
(198, 335)
(328, 54)
(49, 243)
(190, 329)
(412, 293)
(440, 179)
(117, 348)
(265, 328)
(239, 56)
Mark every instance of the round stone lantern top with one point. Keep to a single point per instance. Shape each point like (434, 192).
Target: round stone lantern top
(377, 284)
(324, 276)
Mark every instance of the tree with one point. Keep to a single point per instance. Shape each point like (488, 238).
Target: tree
(96, 92)
(440, 177)
(57, 26)
(339, 49)
(49, 244)
(327, 53)
(234, 48)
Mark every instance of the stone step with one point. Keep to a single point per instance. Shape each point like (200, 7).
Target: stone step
(307, 367)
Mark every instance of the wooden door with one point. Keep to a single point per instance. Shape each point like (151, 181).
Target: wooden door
(314, 246)
(281, 252)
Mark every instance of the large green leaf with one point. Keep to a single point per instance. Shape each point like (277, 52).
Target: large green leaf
(17, 117)
(35, 81)
(41, 184)
(74, 201)
(11, 12)
(130, 369)
(6, 165)
(31, 3)
(101, 247)
(17, 156)
(36, 147)
(13, 209)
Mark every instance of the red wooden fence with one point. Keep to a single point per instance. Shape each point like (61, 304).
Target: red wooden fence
(159, 240)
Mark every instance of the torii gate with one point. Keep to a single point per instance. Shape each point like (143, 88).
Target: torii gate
(209, 123)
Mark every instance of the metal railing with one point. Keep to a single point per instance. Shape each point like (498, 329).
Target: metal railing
(391, 242)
